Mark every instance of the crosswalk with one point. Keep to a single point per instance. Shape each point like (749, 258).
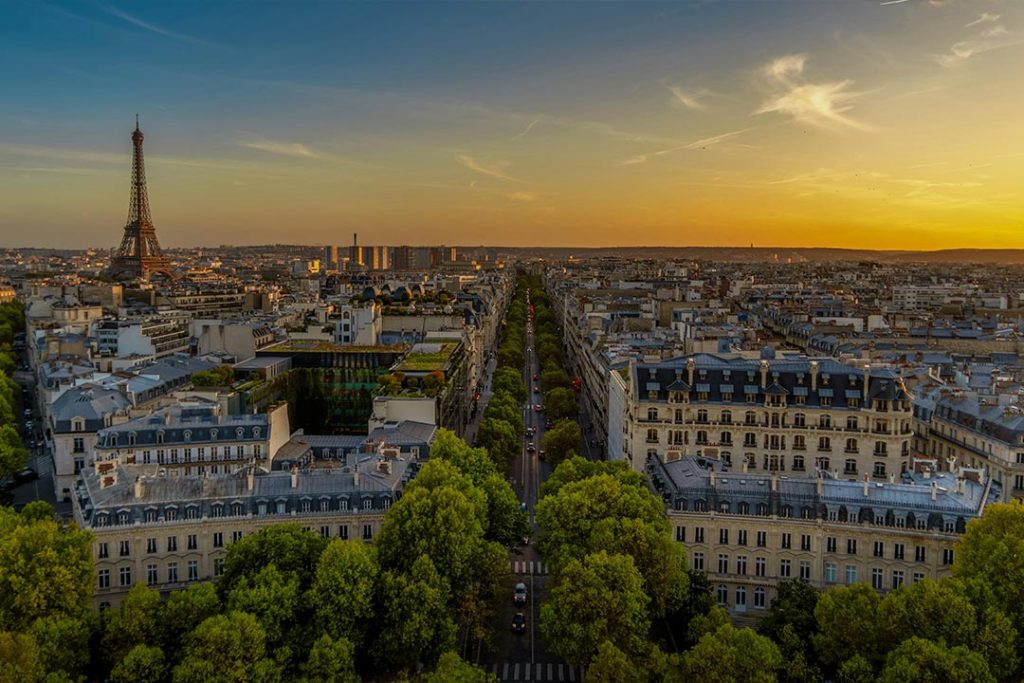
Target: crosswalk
(529, 567)
(519, 672)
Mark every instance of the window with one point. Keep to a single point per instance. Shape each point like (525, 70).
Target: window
(698, 534)
(762, 539)
(236, 536)
(681, 534)
(787, 541)
(741, 565)
(876, 579)
(652, 413)
(723, 595)
(784, 568)
(825, 422)
(805, 570)
(947, 556)
(799, 420)
(805, 542)
(741, 537)
(759, 598)
(218, 566)
(741, 597)
(726, 417)
(151, 579)
(830, 572)
(851, 546)
(125, 576)
(830, 544)
(103, 551)
(172, 544)
(343, 532)
(172, 572)
(125, 548)
(897, 551)
(698, 562)
(193, 542)
(723, 536)
(218, 539)
(325, 532)
(150, 545)
(851, 574)
(879, 470)
(78, 445)
(193, 570)
(897, 578)
(879, 549)
(702, 415)
(104, 578)
(851, 422)
(918, 577)
(824, 444)
(919, 553)
(760, 566)
(367, 532)
(652, 436)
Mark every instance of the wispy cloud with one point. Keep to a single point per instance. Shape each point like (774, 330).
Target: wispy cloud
(522, 196)
(528, 128)
(892, 2)
(983, 18)
(688, 100)
(288, 149)
(819, 104)
(994, 38)
(153, 28)
(701, 144)
(492, 170)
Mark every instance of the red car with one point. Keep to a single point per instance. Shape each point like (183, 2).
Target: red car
(539, 407)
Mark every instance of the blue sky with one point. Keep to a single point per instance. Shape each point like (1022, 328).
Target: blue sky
(845, 123)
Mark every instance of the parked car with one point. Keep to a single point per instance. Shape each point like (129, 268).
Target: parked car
(519, 595)
(531, 448)
(26, 475)
(541, 454)
(519, 623)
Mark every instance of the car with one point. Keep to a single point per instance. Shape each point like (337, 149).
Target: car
(536, 389)
(539, 407)
(522, 507)
(519, 594)
(530, 448)
(29, 424)
(519, 623)
(28, 412)
(536, 377)
(549, 424)
(541, 454)
(529, 349)
(26, 475)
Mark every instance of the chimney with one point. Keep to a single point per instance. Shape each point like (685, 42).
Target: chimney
(775, 482)
(819, 485)
(961, 485)
(743, 467)
(814, 375)
(935, 490)
(295, 476)
(690, 365)
(867, 485)
(250, 478)
(764, 374)
(711, 476)
(867, 381)
(139, 490)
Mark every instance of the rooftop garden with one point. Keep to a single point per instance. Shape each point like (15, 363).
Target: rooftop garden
(313, 345)
(420, 361)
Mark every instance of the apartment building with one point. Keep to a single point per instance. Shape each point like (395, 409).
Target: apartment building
(152, 336)
(74, 419)
(795, 416)
(976, 431)
(747, 532)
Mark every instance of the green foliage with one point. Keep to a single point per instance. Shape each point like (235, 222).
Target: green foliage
(555, 379)
(220, 376)
(63, 643)
(992, 550)
(142, 664)
(46, 570)
(453, 669)
(793, 609)
(331, 661)
(510, 380)
(560, 404)
(847, 619)
(611, 665)
(272, 597)
(731, 655)
(137, 622)
(501, 441)
(561, 441)
(287, 546)
(342, 592)
(917, 660)
(227, 648)
(19, 659)
(13, 454)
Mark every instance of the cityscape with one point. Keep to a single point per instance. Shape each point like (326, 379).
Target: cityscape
(395, 403)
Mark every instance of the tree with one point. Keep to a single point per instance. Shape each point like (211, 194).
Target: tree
(287, 546)
(847, 619)
(46, 569)
(730, 655)
(272, 597)
(793, 606)
(227, 648)
(929, 609)
(577, 468)
(611, 665)
(342, 592)
(506, 522)
(331, 661)
(600, 598)
(453, 669)
(917, 660)
(561, 441)
(500, 440)
(137, 622)
(510, 379)
(560, 404)
(554, 379)
(12, 450)
(992, 549)
(142, 664)
(416, 625)
(19, 659)
(63, 643)
(183, 612)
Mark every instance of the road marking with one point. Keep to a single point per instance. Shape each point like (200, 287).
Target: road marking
(527, 670)
(572, 673)
(560, 675)
(515, 675)
(549, 671)
(504, 675)
(538, 671)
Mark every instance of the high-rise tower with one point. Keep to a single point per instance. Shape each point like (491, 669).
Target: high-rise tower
(139, 254)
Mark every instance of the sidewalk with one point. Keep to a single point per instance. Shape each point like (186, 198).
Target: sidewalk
(485, 396)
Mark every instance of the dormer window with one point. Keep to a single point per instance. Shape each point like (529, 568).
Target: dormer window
(187, 435)
(255, 432)
(131, 438)
(160, 436)
(239, 432)
(78, 424)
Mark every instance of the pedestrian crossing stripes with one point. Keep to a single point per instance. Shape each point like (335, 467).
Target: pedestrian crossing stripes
(528, 567)
(521, 672)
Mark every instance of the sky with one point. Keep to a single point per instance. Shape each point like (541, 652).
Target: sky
(846, 123)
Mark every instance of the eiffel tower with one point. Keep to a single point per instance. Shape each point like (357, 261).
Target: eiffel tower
(139, 254)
